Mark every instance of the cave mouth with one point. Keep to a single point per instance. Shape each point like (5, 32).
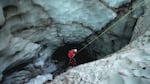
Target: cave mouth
(61, 55)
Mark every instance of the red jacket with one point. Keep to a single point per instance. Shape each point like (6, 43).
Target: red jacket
(71, 53)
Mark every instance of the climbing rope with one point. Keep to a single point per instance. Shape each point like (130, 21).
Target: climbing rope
(111, 26)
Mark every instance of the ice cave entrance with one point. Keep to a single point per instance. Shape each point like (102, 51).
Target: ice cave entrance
(61, 54)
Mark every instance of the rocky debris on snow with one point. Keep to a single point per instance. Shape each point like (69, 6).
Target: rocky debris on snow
(143, 22)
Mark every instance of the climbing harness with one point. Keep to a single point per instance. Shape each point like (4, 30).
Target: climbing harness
(72, 61)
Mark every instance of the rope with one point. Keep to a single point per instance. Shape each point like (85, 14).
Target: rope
(110, 27)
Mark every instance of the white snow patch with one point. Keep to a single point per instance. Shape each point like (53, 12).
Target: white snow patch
(40, 79)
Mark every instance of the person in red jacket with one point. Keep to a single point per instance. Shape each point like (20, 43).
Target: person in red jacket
(71, 55)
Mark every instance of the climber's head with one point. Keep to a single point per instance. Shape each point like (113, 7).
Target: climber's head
(75, 50)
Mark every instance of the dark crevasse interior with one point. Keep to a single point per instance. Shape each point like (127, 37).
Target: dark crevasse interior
(61, 55)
